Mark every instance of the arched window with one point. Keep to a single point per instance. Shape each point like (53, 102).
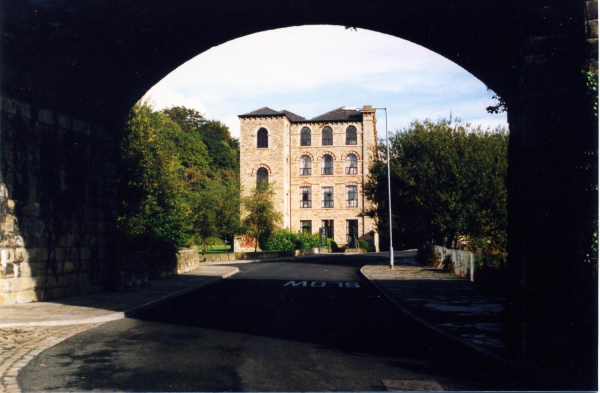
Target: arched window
(327, 168)
(262, 175)
(351, 135)
(262, 139)
(305, 137)
(351, 164)
(305, 165)
(327, 136)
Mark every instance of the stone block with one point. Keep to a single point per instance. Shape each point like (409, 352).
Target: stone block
(69, 267)
(85, 254)
(591, 10)
(591, 28)
(65, 122)
(50, 282)
(56, 293)
(29, 283)
(21, 255)
(46, 117)
(63, 281)
(59, 254)
(8, 298)
(11, 285)
(10, 106)
(36, 269)
(81, 127)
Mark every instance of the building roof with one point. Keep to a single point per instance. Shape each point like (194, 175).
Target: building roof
(292, 116)
(263, 112)
(339, 114)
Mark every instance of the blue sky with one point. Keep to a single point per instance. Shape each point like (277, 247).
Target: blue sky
(310, 70)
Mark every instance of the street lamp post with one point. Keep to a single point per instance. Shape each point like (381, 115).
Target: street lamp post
(387, 142)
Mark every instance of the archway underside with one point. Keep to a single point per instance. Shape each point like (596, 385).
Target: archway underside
(94, 60)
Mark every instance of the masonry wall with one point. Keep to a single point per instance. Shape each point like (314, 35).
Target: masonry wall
(274, 158)
(339, 180)
(552, 190)
(57, 204)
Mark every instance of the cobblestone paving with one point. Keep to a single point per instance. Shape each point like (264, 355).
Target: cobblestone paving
(18, 346)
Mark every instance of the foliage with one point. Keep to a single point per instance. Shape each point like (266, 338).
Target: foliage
(307, 240)
(282, 240)
(363, 245)
(448, 183)
(153, 204)
(334, 246)
(427, 255)
(499, 107)
(261, 216)
(591, 81)
(222, 149)
(169, 192)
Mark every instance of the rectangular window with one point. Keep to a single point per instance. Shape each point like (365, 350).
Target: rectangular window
(327, 197)
(305, 226)
(351, 228)
(305, 197)
(328, 225)
(351, 196)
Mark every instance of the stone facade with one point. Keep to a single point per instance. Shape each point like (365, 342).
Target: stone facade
(57, 204)
(282, 161)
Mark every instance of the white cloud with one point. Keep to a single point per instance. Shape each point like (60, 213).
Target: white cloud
(233, 122)
(313, 69)
(164, 96)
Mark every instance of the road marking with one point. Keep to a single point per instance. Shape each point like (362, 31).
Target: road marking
(322, 284)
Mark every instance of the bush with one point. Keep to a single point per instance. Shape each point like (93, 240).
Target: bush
(334, 247)
(363, 245)
(428, 256)
(281, 240)
(307, 240)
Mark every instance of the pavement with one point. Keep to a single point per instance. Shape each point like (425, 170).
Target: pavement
(28, 329)
(450, 305)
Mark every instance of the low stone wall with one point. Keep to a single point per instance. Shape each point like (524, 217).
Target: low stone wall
(187, 259)
(468, 264)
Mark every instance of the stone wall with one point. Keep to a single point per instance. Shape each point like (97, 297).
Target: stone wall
(282, 159)
(57, 204)
(187, 259)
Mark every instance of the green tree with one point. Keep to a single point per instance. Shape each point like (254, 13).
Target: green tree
(222, 149)
(448, 184)
(151, 186)
(261, 217)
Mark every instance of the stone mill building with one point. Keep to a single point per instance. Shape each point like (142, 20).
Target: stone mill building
(317, 168)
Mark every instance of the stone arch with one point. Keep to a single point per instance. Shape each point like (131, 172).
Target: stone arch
(320, 156)
(261, 166)
(351, 152)
(312, 158)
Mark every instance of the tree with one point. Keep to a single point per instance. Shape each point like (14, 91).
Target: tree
(222, 149)
(448, 185)
(261, 217)
(151, 187)
(228, 220)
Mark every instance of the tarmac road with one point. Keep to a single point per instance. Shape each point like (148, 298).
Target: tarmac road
(308, 325)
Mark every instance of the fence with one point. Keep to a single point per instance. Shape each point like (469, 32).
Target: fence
(470, 265)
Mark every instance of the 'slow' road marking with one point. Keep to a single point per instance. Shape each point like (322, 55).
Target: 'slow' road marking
(322, 284)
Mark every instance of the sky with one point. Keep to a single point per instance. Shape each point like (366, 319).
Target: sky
(310, 70)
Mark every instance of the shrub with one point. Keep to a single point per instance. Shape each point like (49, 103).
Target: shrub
(428, 256)
(281, 240)
(307, 240)
(334, 246)
(363, 245)
(447, 264)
